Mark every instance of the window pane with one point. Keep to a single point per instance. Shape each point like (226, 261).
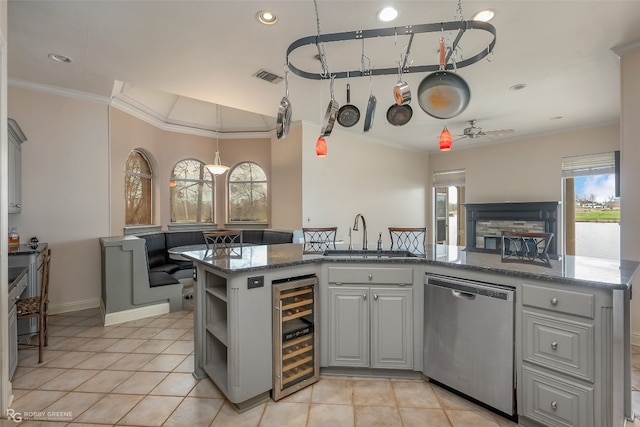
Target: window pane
(247, 172)
(137, 190)
(191, 191)
(248, 202)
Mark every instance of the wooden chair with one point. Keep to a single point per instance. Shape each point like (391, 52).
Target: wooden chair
(38, 306)
(319, 239)
(410, 239)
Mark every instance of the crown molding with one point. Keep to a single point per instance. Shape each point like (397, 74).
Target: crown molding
(54, 90)
(625, 48)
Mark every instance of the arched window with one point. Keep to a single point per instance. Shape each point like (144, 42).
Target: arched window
(247, 193)
(191, 188)
(137, 189)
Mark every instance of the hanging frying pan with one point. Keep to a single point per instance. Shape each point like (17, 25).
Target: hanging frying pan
(348, 115)
(443, 94)
(371, 110)
(330, 115)
(284, 111)
(399, 115)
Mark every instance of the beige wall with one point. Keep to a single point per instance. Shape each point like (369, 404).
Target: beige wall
(384, 183)
(630, 153)
(522, 171)
(286, 180)
(165, 149)
(65, 185)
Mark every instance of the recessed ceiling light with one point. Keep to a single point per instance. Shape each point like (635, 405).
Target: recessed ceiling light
(484, 15)
(266, 17)
(59, 58)
(519, 86)
(387, 14)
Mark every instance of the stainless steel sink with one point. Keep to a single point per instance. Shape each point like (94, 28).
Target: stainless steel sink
(369, 254)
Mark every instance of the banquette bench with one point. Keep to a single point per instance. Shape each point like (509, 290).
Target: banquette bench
(140, 279)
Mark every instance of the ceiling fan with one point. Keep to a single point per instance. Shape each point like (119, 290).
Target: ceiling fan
(474, 132)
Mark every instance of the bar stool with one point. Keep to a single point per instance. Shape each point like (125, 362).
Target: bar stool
(223, 242)
(410, 239)
(319, 239)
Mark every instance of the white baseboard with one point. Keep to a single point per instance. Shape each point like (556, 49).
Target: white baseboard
(635, 338)
(68, 307)
(134, 313)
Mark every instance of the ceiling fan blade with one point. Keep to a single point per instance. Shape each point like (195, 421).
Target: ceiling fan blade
(498, 132)
(459, 139)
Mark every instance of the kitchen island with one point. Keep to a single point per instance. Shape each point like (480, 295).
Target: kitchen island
(571, 323)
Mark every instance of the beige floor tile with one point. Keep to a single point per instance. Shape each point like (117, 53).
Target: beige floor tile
(194, 411)
(119, 332)
(21, 370)
(69, 359)
(229, 417)
(336, 391)
(179, 347)
(72, 405)
(29, 357)
(97, 344)
(88, 425)
(93, 332)
(170, 334)
(138, 323)
(110, 408)
(104, 382)
(635, 360)
(43, 424)
(175, 384)
(635, 379)
(418, 394)
(125, 345)
(68, 343)
(301, 396)
(502, 421)
(66, 331)
(464, 418)
(450, 400)
(131, 362)
(183, 324)
(373, 392)
(377, 416)
(152, 346)
(164, 363)
(206, 388)
(145, 333)
(151, 411)
(424, 417)
(161, 323)
(34, 379)
(186, 366)
(323, 415)
(285, 414)
(100, 361)
(140, 383)
(188, 336)
(70, 379)
(36, 400)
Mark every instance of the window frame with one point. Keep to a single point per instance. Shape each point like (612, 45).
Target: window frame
(228, 198)
(145, 157)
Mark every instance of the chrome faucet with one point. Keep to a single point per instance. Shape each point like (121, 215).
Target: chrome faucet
(364, 230)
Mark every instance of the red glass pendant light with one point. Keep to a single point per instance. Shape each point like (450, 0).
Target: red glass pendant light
(321, 147)
(445, 139)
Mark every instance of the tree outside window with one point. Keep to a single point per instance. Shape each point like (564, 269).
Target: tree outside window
(247, 193)
(137, 189)
(191, 188)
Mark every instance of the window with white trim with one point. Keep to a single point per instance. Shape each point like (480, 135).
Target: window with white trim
(191, 192)
(247, 184)
(137, 189)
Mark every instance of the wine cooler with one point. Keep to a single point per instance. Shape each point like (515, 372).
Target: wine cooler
(295, 335)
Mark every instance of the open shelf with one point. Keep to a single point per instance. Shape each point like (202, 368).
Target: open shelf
(216, 285)
(216, 363)
(216, 320)
(219, 293)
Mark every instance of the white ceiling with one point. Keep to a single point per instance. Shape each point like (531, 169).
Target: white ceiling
(178, 57)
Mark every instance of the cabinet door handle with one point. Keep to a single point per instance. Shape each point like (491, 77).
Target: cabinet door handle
(554, 405)
(554, 345)
(18, 205)
(554, 301)
(364, 296)
(375, 296)
(370, 276)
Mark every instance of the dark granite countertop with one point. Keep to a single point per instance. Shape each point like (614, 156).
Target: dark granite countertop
(27, 249)
(585, 271)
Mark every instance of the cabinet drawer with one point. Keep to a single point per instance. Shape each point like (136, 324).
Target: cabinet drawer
(558, 344)
(558, 300)
(396, 276)
(555, 402)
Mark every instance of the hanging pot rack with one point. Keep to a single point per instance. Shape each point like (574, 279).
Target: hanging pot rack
(460, 26)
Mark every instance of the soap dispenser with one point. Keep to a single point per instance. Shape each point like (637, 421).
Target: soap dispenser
(380, 241)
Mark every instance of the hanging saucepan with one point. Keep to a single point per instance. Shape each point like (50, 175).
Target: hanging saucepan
(443, 94)
(330, 115)
(284, 111)
(401, 91)
(399, 115)
(348, 115)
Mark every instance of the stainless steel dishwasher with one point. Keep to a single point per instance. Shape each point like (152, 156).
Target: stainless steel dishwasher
(469, 339)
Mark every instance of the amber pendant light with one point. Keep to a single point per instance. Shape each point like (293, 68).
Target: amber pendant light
(445, 139)
(321, 147)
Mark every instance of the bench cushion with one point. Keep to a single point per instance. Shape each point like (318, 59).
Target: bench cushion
(252, 236)
(184, 238)
(156, 249)
(168, 268)
(273, 237)
(159, 278)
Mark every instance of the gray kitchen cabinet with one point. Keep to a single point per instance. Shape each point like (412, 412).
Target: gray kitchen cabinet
(370, 325)
(561, 329)
(13, 339)
(16, 138)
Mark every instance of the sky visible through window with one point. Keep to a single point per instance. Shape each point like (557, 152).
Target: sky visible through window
(601, 186)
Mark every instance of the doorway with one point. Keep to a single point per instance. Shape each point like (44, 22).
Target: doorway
(449, 215)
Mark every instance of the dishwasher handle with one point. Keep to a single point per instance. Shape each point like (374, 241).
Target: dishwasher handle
(469, 287)
(463, 295)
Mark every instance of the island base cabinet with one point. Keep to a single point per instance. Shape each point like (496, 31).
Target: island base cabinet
(370, 327)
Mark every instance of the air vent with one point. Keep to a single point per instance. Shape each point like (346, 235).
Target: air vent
(268, 76)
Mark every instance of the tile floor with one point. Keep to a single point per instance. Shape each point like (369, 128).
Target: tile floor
(139, 374)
